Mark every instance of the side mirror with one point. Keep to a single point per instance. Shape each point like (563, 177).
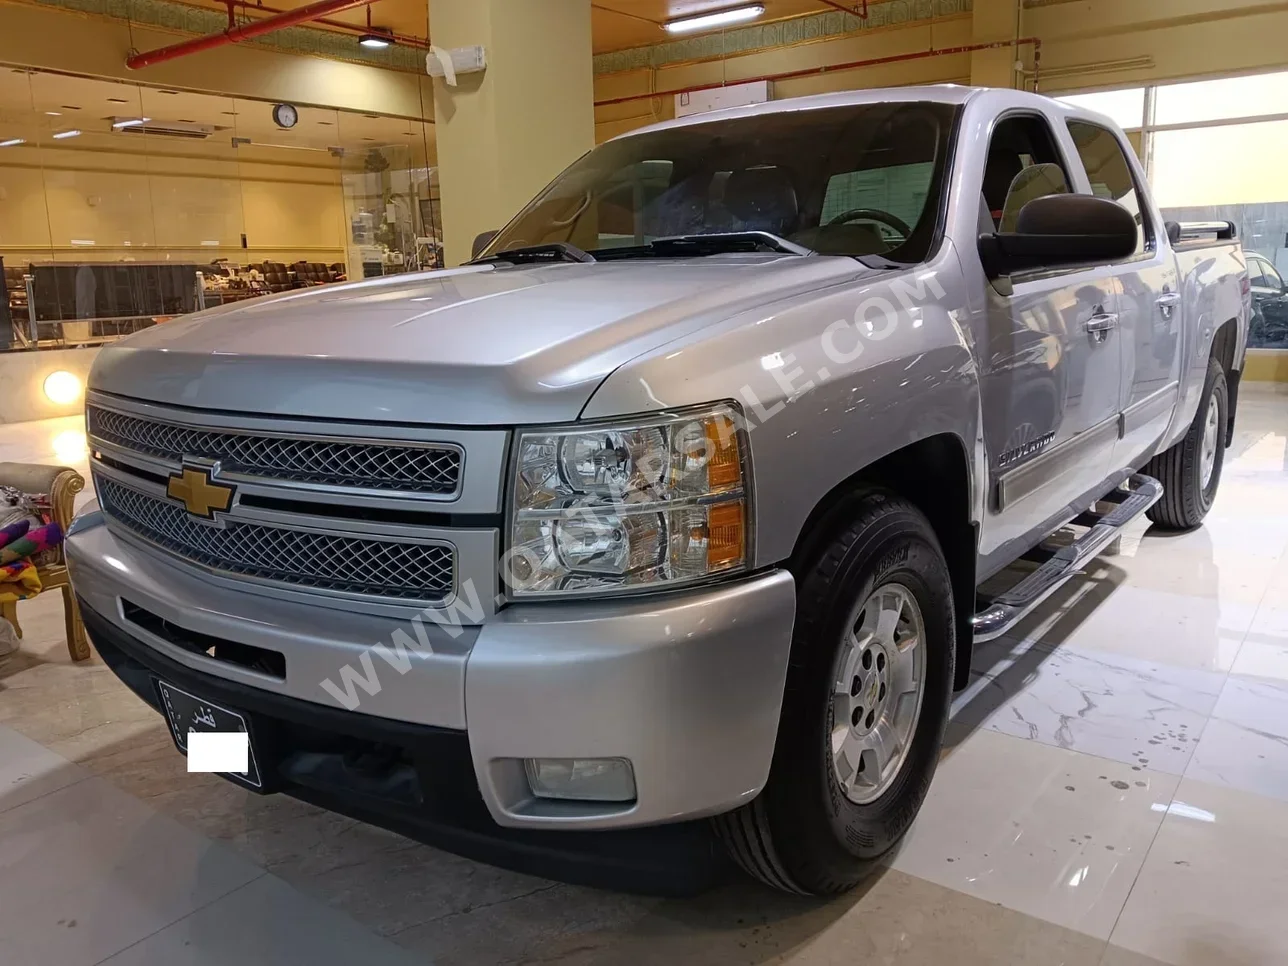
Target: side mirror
(481, 241)
(1060, 230)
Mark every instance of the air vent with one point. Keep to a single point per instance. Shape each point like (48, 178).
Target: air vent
(164, 129)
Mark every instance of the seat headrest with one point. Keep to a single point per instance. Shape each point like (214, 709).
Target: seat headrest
(762, 199)
(1035, 181)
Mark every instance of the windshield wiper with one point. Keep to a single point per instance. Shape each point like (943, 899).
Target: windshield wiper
(718, 243)
(552, 252)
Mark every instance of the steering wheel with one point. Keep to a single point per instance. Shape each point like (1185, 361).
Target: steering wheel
(873, 214)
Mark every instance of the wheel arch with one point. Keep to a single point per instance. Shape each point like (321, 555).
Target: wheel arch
(1224, 345)
(932, 473)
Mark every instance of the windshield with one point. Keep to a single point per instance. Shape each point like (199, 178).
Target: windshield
(862, 179)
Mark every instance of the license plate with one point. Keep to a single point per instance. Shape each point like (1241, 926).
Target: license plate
(187, 713)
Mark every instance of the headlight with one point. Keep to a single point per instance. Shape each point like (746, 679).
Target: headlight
(653, 502)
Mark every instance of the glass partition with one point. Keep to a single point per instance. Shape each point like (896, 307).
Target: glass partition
(123, 205)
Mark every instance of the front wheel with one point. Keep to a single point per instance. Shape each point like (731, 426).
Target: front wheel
(864, 711)
(1190, 471)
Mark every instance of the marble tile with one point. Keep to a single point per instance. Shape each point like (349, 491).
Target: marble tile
(1245, 745)
(894, 918)
(1183, 630)
(1212, 888)
(1141, 713)
(1231, 559)
(265, 923)
(1048, 832)
(1117, 956)
(28, 770)
(90, 870)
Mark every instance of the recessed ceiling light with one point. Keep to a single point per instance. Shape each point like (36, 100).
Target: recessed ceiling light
(73, 133)
(54, 113)
(117, 100)
(368, 139)
(375, 41)
(374, 117)
(128, 122)
(718, 18)
(186, 120)
(229, 113)
(70, 107)
(167, 92)
(325, 123)
(12, 142)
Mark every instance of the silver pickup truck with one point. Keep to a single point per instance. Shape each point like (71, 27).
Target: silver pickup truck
(657, 532)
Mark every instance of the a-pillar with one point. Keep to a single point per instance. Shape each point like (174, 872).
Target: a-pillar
(994, 20)
(503, 134)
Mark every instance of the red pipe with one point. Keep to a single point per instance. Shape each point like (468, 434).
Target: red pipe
(402, 40)
(828, 68)
(291, 18)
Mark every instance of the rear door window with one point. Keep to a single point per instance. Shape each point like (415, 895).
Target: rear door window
(1110, 174)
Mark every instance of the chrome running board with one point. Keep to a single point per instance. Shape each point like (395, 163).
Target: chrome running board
(1129, 500)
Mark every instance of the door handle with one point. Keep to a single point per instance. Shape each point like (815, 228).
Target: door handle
(1101, 322)
(1167, 300)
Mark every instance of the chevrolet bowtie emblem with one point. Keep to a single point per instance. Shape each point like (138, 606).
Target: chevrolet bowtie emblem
(192, 488)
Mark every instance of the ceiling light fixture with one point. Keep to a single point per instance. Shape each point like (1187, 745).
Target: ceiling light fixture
(375, 41)
(129, 122)
(718, 18)
(73, 133)
(53, 113)
(12, 142)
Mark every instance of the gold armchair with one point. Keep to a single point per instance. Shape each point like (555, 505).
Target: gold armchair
(62, 484)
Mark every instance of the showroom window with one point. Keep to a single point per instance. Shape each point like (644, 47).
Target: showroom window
(1212, 150)
(124, 205)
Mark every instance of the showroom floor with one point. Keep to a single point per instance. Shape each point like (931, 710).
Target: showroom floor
(1115, 791)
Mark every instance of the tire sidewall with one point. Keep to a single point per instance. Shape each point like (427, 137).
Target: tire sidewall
(1216, 393)
(849, 836)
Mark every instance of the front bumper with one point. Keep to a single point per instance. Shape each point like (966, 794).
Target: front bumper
(688, 687)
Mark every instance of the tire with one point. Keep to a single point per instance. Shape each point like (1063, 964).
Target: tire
(803, 833)
(1186, 497)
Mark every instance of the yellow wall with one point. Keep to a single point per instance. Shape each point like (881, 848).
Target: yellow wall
(35, 36)
(170, 200)
(1085, 44)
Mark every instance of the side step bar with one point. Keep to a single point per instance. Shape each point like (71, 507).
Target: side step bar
(1133, 497)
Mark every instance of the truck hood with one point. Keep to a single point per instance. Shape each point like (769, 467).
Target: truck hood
(478, 345)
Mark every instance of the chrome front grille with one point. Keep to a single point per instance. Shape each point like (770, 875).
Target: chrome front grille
(389, 568)
(432, 469)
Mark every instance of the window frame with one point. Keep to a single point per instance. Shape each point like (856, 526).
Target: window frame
(1061, 157)
(1149, 230)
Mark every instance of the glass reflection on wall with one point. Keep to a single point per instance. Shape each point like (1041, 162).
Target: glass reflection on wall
(122, 206)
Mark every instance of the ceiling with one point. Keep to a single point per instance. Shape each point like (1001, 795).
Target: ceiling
(615, 24)
(36, 105)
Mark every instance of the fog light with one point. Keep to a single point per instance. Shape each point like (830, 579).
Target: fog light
(582, 779)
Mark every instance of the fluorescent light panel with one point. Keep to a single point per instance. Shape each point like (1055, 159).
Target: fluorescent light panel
(131, 122)
(12, 142)
(67, 134)
(718, 18)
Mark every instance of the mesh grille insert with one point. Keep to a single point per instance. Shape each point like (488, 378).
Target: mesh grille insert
(375, 466)
(359, 565)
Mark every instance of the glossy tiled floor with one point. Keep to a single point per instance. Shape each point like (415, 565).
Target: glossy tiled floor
(1114, 793)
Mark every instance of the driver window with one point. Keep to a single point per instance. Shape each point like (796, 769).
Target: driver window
(1271, 275)
(1023, 164)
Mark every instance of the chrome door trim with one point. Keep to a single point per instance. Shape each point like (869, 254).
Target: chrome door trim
(1026, 479)
(1140, 414)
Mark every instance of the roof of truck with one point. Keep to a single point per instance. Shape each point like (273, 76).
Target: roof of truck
(943, 93)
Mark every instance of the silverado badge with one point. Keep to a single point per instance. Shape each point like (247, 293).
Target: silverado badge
(193, 488)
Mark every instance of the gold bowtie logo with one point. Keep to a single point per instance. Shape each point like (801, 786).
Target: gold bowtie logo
(194, 490)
